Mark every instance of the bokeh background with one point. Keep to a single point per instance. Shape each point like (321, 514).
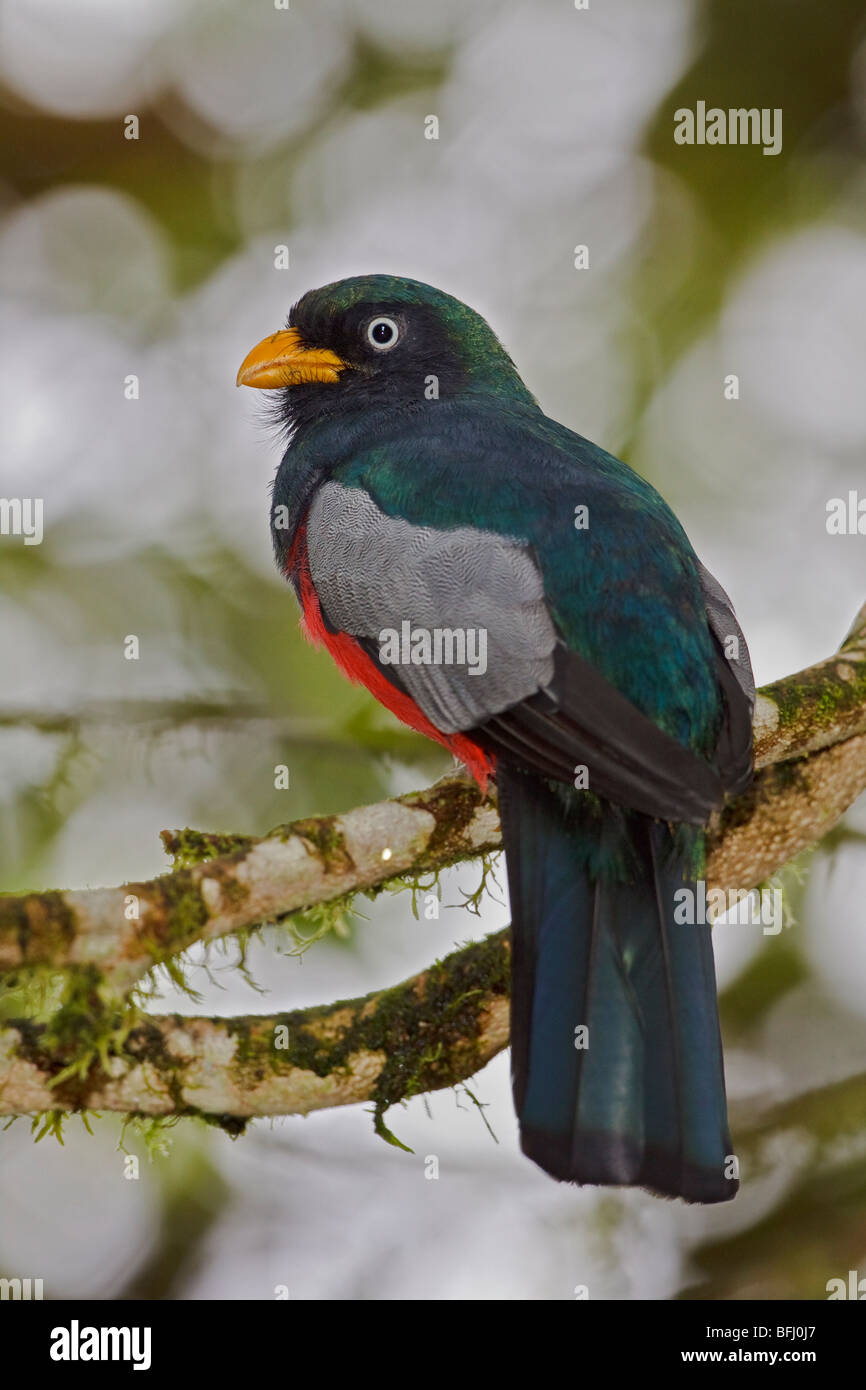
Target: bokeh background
(304, 127)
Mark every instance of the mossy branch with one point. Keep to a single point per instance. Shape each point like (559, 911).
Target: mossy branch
(125, 931)
(434, 1030)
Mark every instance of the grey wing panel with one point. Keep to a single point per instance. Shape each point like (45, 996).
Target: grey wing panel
(374, 573)
(723, 623)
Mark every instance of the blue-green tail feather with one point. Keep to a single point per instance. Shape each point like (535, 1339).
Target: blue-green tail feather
(616, 1054)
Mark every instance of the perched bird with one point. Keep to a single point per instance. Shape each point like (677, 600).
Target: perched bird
(556, 630)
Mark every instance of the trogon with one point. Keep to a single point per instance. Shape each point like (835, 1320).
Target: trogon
(425, 493)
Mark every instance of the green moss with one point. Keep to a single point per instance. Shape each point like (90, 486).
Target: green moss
(311, 924)
(89, 1025)
(189, 847)
(414, 1027)
(822, 704)
(416, 1034)
(452, 805)
(146, 1043)
(323, 833)
(32, 991)
(42, 924)
(423, 884)
(141, 1041)
(181, 915)
(49, 1122)
(235, 893)
(151, 1130)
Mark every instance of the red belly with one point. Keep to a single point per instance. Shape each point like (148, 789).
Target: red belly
(354, 662)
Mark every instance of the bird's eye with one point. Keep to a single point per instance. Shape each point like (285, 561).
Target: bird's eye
(382, 333)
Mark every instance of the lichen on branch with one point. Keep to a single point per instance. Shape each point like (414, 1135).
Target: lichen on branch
(434, 1030)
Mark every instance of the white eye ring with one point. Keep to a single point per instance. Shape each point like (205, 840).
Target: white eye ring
(381, 323)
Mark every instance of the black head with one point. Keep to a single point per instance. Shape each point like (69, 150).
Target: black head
(381, 341)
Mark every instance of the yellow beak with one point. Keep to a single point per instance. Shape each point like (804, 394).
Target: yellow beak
(282, 360)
